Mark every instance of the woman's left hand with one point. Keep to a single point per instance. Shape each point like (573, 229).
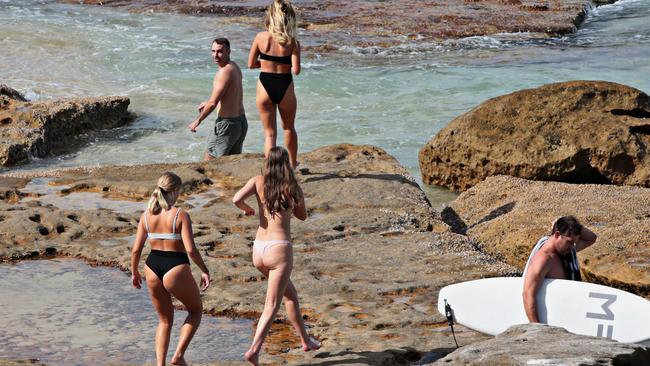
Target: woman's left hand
(136, 280)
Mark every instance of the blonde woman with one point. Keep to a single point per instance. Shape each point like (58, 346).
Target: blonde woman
(278, 199)
(167, 270)
(276, 52)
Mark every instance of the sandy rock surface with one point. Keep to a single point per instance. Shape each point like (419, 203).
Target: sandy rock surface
(387, 23)
(508, 215)
(538, 344)
(369, 260)
(576, 131)
(38, 129)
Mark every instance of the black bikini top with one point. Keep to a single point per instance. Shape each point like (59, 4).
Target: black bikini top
(279, 59)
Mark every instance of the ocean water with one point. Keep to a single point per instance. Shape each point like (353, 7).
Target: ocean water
(396, 98)
(99, 317)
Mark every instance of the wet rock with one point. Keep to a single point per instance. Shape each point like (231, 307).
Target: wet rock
(577, 131)
(508, 215)
(539, 344)
(39, 129)
(9, 93)
(370, 24)
(369, 260)
(30, 362)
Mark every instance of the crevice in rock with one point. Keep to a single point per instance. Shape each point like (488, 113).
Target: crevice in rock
(451, 218)
(42, 230)
(622, 163)
(642, 129)
(583, 173)
(635, 113)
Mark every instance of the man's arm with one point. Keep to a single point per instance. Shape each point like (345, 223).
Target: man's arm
(219, 84)
(535, 275)
(587, 237)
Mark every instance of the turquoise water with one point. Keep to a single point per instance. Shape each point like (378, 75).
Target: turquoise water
(396, 98)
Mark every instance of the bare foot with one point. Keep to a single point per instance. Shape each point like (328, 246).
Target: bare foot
(252, 357)
(295, 166)
(180, 361)
(311, 345)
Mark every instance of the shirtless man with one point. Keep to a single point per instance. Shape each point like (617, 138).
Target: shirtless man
(227, 137)
(555, 257)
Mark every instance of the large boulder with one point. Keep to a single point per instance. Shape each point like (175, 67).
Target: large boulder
(369, 260)
(38, 129)
(508, 215)
(577, 131)
(539, 344)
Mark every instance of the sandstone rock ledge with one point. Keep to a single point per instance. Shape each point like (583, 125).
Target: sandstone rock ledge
(369, 260)
(577, 131)
(538, 344)
(38, 129)
(508, 215)
(388, 23)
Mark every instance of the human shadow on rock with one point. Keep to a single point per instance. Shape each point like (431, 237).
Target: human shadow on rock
(389, 177)
(499, 211)
(402, 356)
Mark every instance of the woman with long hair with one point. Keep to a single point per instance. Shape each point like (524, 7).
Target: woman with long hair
(167, 270)
(278, 199)
(276, 52)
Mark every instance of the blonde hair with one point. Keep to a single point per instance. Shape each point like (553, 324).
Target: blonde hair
(160, 197)
(281, 21)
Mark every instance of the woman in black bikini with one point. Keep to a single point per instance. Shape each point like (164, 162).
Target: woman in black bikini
(277, 53)
(167, 269)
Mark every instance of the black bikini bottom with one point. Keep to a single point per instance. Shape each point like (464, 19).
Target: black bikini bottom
(275, 84)
(161, 262)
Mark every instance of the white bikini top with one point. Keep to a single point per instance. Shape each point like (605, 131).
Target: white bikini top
(163, 236)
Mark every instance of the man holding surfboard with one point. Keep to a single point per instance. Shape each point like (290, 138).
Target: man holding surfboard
(554, 256)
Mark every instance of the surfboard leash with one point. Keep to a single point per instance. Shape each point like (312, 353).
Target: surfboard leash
(449, 313)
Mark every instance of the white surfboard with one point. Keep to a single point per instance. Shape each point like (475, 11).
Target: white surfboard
(492, 305)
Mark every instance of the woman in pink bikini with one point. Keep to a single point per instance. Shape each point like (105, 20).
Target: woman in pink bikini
(278, 199)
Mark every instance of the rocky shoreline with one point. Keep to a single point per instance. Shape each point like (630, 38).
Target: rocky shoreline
(370, 259)
(359, 23)
(43, 128)
(366, 218)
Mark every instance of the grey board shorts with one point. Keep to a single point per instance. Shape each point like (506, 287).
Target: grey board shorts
(228, 136)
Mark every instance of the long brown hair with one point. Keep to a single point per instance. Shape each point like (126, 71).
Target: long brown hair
(168, 183)
(281, 21)
(281, 190)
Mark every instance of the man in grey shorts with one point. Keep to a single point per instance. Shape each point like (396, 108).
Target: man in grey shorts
(227, 137)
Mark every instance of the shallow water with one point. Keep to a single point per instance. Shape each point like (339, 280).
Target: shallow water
(65, 312)
(51, 195)
(395, 98)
